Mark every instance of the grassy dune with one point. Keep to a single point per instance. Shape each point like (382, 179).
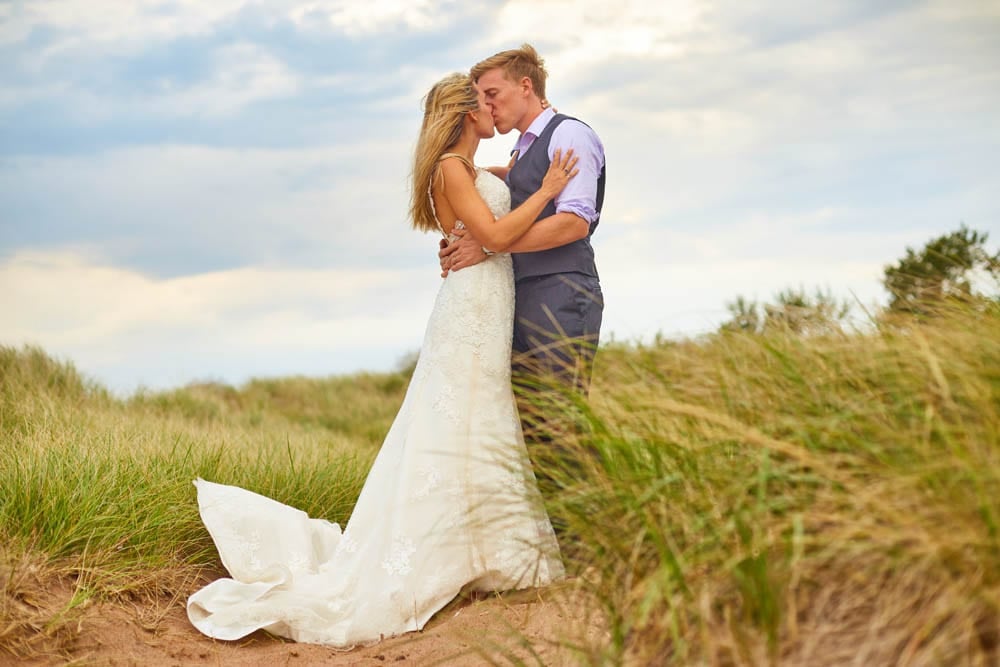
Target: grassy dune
(740, 499)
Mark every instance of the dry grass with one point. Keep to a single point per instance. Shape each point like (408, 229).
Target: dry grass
(737, 500)
(797, 501)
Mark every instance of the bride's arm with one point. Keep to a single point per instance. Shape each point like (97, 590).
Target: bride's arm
(460, 190)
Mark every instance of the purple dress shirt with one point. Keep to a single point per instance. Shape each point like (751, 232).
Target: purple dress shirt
(580, 194)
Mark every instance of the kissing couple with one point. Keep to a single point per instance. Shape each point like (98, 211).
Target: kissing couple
(451, 503)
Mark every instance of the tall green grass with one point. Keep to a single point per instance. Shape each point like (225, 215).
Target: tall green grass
(778, 499)
(739, 499)
(82, 473)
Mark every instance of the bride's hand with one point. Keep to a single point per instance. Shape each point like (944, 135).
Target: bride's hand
(561, 171)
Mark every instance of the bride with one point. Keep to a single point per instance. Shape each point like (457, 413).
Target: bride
(450, 503)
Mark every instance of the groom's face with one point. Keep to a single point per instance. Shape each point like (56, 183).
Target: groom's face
(504, 99)
(484, 118)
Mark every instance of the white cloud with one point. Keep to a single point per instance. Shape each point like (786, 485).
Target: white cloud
(689, 298)
(677, 280)
(265, 320)
(750, 148)
(127, 328)
(360, 18)
(241, 74)
(126, 26)
(244, 73)
(115, 26)
(586, 32)
(341, 205)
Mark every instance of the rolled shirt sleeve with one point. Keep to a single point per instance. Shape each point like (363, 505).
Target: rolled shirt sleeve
(580, 194)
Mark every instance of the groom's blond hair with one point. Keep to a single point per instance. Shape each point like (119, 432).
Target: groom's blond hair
(516, 64)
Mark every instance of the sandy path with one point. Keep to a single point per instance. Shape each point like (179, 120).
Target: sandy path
(160, 634)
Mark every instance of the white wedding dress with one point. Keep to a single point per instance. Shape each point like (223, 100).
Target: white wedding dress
(450, 502)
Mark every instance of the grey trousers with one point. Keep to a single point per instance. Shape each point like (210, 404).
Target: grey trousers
(557, 326)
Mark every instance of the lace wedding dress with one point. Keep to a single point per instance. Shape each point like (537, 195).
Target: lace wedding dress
(450, 502)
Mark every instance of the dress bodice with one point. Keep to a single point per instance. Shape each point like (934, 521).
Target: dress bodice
(493, 191)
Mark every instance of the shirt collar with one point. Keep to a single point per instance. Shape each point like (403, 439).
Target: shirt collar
(535, 129)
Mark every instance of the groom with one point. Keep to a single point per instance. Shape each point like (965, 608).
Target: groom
(558, 300)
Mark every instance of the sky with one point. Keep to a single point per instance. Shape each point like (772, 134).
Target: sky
(216, 191)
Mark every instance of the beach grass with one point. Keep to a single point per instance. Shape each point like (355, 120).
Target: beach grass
(735, 499)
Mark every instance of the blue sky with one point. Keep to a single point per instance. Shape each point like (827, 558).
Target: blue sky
(218, 190)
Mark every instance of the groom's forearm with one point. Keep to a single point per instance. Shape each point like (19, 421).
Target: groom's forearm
(551, 232)
(499, 172)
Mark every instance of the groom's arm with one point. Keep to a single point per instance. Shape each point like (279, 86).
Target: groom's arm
(551, 232)
(580, 194)
(501, 172)
(576, 205)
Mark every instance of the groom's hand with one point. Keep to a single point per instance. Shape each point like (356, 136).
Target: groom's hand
(461, 253)
(444, 256)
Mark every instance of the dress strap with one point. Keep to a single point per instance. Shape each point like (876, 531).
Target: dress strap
(430, 198)
(464, 159)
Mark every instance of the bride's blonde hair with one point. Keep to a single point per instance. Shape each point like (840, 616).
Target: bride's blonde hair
(445, 107)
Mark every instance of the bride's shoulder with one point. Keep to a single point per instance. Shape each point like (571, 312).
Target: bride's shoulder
(453, 161)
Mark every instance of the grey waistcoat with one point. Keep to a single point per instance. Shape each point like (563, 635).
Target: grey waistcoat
(524, 179)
